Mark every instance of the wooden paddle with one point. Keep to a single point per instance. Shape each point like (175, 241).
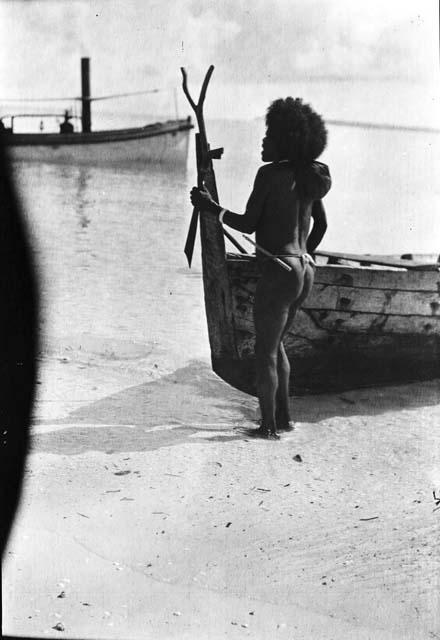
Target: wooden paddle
(205, 155)
(401, 263)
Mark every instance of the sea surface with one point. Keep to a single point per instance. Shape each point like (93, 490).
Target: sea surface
(108, 241)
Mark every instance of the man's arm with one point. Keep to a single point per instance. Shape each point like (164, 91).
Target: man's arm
(319, 226)
(246, 222)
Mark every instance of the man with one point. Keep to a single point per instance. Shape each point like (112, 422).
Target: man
(66, 126)
(286, 196)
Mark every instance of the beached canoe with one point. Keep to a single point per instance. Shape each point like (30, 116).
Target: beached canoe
(360, 326)
(159, 142)
(370, 321)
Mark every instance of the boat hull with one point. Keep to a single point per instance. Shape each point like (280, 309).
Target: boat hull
(359, 327)
(165, 143)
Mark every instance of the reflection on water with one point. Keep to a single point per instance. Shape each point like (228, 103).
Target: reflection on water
(81, 196)
(108, 245)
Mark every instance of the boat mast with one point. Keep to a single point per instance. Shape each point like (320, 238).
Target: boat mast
(86, 118)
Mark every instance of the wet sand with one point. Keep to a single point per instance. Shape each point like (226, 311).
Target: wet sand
(149, 511)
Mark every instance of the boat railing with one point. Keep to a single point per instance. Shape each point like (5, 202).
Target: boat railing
(14, 116)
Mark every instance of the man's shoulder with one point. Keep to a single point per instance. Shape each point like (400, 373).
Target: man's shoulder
(267, 170)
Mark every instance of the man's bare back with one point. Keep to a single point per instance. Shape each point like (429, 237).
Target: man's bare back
(279, 209)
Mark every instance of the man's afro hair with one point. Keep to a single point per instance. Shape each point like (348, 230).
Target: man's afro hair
(298, 132)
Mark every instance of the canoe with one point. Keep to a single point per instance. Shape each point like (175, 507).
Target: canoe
(159, 142)
(360, 326)
(370, 321)
(162, 142)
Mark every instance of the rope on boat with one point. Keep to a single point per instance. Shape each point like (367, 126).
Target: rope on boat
(90, 99)
(125, 95)
(38, 99)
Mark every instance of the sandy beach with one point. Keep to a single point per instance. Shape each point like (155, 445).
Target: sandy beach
(149, 511)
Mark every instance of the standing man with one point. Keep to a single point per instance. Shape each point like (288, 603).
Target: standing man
(287, 194)
(66, 126)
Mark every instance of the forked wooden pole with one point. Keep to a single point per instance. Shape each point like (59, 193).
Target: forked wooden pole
(204, 159)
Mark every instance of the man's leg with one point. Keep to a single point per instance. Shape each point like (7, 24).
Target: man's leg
(283, 419)
(270, 317)
(282, 414)
(269, 329)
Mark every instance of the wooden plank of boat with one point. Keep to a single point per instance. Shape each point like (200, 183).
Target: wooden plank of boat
(312, 324)
(354, 299)
(380, 260)
(361, 277)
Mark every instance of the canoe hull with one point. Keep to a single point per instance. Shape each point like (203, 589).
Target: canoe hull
(359, 327)
(165, 143)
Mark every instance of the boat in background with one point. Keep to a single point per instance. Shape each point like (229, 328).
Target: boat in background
(159, 142)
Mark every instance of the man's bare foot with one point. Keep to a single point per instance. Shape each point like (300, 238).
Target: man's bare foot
(266, 432)
(286, 426)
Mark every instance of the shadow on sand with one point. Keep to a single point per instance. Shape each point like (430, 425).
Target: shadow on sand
(192, 403)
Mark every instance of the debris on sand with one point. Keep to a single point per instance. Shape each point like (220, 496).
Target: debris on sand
(366, 519)
(62, 594)
(297, 458)
(121, 473)
(59, 626)
(228, 524)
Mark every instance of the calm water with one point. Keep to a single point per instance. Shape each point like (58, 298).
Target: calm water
(109, 241)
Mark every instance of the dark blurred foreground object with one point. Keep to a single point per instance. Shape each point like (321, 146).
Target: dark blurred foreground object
(18, 342)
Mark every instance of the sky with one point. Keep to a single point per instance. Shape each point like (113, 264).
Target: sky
(262, 40)
(137, 44)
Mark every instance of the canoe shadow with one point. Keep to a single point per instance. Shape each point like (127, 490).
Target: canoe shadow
(192, 405)
(188, 406)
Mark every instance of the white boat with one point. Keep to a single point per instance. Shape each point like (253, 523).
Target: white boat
(159, 142)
